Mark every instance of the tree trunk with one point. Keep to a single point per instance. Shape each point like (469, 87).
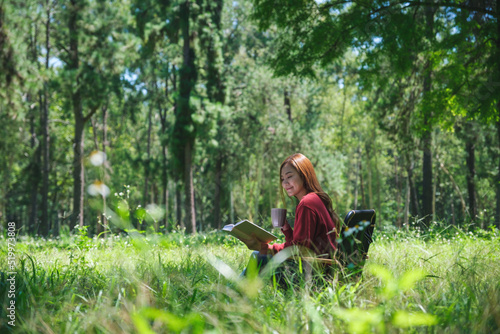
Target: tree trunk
(78, 170)
(498, 175)
(145, 198)
(427, 179)
(104, 220)
(189, 190)
(453, 221)
(231, 203)
(178, 203)
(344, 98)
(369, 171)
(256, 193)
(34, 176)
(164, 144)
(427, 136)
(155, 199)
(93, 124)
(414, 207)
(76, 99)
(215, 93)
(457, 188)
(398, 192)
(288, 107)
(184, 131)
(34, 170)
(498, 116)
(54, 211)
(470, 147)
(164, 184)
(361, 183)
(379, 186)
(218, 185)
(44, 227)
(407, 203)
(356, 187)
(434, 189)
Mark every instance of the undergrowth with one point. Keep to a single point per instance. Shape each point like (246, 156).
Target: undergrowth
(443, 280)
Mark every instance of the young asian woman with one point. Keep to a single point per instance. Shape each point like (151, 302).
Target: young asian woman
(316, 223)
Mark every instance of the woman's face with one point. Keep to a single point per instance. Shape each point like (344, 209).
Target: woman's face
(292, 182)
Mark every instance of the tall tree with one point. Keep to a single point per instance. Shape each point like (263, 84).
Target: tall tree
(158, 27)
(94, 56)
(497, 77)
(31, 97)
(470, 147)
(427, 189)
(45, 224)
(75, 8)
(211, 39)
(184, 132)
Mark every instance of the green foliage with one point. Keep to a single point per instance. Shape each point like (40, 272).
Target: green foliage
(360, 119)
(189, 283)
(382, 316)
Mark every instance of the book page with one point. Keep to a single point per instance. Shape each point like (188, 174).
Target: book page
(228, 228)
(247, 228)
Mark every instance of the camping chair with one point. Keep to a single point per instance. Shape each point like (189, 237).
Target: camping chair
(355, 238)
(353, 244)
(354, 241)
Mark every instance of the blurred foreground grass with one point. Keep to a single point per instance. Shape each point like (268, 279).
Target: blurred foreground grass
(443, 281)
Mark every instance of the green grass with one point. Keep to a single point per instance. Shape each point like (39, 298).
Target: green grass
(444, 281)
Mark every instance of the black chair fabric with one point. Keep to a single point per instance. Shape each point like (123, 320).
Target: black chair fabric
(356, 236)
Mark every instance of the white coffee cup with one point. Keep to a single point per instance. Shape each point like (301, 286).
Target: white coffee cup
(278, 217)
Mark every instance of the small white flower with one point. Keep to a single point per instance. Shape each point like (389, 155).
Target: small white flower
(97, 158)
(155, 211)
(348, 231)
(98, 188)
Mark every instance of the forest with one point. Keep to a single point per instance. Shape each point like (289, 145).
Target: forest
(145, 126)
(396, 104)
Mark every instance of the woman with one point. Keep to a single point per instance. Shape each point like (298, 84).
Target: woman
(316, 223)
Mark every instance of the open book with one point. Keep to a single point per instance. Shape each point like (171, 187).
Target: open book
(244, 230)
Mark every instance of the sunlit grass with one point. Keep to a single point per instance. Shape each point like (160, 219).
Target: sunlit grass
(443, 281)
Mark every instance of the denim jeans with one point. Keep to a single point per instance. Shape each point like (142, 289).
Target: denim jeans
(287, 274)
(258, 261)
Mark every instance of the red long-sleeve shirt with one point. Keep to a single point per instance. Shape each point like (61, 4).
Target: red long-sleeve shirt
(312, 224)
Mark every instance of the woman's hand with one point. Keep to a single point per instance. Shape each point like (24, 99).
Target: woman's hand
(286, 226)
(254, 243)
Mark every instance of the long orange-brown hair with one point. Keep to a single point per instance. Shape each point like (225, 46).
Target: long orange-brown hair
(304, 167)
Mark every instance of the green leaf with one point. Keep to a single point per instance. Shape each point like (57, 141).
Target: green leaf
(140, 214)
(362, 321)
(141, 324)
(173, 322)
(408, 280)
(381, 273)
(405, 319)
